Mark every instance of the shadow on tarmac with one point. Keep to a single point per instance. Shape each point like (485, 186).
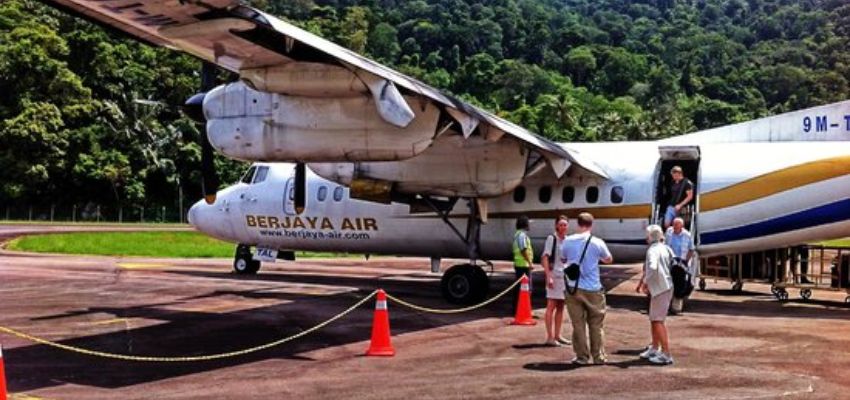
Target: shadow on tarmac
(192, 333)
(759, 305)
(189, 333)
(568, 366)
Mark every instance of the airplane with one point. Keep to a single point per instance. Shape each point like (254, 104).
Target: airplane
(351, 156)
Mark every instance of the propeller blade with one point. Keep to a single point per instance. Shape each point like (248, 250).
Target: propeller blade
(210, 181)
(300, 187)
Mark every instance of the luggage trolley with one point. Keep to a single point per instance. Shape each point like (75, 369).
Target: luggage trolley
(806, 268)
(814, 267)
(757, 267)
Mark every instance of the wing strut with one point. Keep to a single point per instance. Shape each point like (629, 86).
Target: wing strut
(472, 238)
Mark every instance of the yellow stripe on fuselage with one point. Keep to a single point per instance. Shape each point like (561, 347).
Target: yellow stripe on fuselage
(736, 194)
(775, 182)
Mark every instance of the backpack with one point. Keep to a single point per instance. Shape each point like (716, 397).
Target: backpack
(573, 271)
(683, 284)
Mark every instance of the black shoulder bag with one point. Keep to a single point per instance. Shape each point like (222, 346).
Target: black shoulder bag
(552, 251)
(682, 285)
(573, 271)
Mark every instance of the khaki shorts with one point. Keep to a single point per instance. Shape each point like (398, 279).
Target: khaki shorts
(659, 305)
(556, 292)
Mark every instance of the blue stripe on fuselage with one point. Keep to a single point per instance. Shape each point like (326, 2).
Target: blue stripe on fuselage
(821, 215)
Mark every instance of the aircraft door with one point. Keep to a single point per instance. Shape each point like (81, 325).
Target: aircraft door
(688, 158)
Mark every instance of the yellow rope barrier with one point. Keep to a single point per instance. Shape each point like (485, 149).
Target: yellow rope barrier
(456, 310)
(278, 342)
(183, 359)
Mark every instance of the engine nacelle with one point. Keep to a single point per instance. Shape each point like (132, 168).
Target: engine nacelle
(251, 125)
(453, 166)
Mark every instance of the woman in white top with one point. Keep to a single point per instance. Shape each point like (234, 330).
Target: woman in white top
(658, 284)
(553, 266)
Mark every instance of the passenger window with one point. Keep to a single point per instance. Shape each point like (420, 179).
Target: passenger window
(338, 193)
(568, 195)
(545, 194)
(519, 194)
(617, 194)
(322, 194)
(592, 194)
(261, 174)
(249, 175)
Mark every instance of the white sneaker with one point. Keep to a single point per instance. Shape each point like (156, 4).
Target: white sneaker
(649, 353)
(662, 359)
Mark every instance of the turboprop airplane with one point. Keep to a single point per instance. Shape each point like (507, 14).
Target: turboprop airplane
(352, 156)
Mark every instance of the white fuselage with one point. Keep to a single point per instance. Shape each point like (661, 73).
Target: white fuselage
(750, 196)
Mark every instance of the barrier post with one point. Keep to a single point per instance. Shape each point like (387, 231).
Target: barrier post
(523, 309)
(380, 344)
(2, 376)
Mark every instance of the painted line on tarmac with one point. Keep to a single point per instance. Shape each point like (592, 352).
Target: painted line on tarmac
(145, 266)
(110, 321)
(24, 396)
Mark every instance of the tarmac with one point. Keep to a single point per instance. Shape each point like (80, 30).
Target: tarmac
(727, 345)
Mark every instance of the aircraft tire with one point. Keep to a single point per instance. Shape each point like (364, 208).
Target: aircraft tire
(244, 263)
(464, 284)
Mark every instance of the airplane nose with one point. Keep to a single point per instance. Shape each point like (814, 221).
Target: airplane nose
(193, 216)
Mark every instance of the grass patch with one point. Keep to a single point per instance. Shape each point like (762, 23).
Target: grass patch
(141, 244)
(144, 244)
(103, 223)
(837, 243)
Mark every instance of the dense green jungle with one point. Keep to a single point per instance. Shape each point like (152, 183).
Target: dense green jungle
(90, 116)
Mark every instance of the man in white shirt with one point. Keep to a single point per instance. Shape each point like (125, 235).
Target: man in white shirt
(657, 283)
(680, 240)
(586, 307)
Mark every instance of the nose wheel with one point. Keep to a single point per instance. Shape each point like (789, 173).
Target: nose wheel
(244, 262)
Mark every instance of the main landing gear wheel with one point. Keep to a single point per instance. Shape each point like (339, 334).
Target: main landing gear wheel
(465, 284)
(702, 284)
(781, 294)
(806, 294)
(243, 262)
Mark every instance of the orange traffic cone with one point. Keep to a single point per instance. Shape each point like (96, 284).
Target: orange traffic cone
(381, 345)
(523, 307)
(2, 376)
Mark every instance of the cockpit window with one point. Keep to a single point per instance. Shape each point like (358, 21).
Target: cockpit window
(261, 174)
(249, 175)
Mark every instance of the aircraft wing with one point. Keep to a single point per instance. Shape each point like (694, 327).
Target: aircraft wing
(242, 39)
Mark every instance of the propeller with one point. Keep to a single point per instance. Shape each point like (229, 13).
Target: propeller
(300, 187)
(194, 109)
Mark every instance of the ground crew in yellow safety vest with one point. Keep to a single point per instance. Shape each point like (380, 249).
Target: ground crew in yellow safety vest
(523, 254)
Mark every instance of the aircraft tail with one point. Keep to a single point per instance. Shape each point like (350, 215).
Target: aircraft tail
(829, 123)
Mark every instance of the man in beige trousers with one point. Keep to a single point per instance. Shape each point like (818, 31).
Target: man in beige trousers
(586, 307)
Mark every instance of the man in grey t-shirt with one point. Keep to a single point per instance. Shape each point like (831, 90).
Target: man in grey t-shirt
(586, 307)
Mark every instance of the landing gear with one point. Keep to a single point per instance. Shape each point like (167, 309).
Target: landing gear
(702, 284)
(244, 262)
(465, 284)
(806, 294)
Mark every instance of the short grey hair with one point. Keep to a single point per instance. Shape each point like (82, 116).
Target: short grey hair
(655, 233)
(679, 219)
